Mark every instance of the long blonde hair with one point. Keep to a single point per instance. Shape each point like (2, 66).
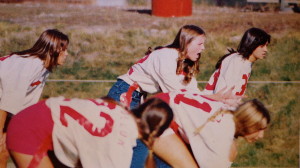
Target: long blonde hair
(249, 117)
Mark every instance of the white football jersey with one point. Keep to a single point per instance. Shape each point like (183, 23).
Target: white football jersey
(234, 72)
(210, 146)
(22, 81)
(156, 72)
(94, 132)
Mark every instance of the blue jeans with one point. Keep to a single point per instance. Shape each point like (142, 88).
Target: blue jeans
(140, 152)
(121, 87)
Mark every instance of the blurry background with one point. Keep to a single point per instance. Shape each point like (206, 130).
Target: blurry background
(108, 36)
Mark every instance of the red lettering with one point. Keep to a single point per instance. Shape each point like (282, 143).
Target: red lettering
(216, 77)
(35, 83)
(192, 102)
(183, 90)
(107, 104)
(245, 77)
(164, 96)
(85, 123)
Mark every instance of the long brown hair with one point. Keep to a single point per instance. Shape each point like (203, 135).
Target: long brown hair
(184, 37)
(154, 117)
(252, 38)
(48, 47)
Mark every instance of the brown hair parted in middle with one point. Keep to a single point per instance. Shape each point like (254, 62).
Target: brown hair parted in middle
(154, 117)
(48, 47)
(184, 37)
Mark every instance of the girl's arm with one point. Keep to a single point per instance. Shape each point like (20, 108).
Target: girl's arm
(3, 115)
(233, 151)
(227, 97)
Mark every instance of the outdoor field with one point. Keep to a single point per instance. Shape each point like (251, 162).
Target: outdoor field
(106, 41)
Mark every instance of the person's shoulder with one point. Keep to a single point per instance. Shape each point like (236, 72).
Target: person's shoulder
(240, 60)
(229, 122)
(234, 58)
(166, 52)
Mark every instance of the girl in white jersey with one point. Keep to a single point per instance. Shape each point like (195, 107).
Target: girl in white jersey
(168, 68)
(85, 132)
(23, 75)
(234, 68)
(209, 129)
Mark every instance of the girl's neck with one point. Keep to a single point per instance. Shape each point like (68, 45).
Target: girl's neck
(252, 58)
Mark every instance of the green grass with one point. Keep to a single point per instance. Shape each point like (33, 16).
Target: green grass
(105, 42)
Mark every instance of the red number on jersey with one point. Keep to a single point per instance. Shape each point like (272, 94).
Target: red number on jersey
(35, 83)
(99, 132)
(164, 96)
(245, 77)
(192, 102)
(109, 104)
(216, 77)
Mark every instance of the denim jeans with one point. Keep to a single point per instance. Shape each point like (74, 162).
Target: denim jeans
(140, 152)
(121, 87)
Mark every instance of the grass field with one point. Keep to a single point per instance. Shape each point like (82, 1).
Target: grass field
(105, 41)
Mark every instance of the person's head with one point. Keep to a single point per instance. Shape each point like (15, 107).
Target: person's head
(254, 44)
(51, 47)
(189, 42)
(251, 119)
(153, 117)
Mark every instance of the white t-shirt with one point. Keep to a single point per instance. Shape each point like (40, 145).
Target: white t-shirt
(21, 82)
(234, 71)
(210, 147)
(157, 73)
(97, 133)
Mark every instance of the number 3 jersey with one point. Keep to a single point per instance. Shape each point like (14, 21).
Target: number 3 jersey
(234, 71)
(98, 133)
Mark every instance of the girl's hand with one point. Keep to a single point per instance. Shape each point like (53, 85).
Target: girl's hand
(228, 98)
